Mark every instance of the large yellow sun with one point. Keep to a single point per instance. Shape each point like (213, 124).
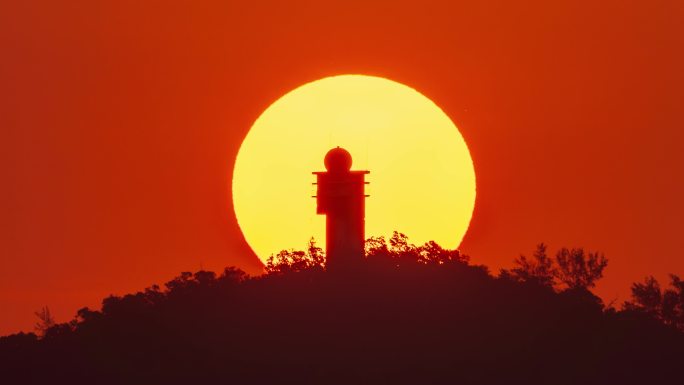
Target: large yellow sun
(422, 180)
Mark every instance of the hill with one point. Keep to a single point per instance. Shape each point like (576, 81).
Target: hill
(435, 319)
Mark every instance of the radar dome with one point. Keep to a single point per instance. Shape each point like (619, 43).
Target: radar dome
(338, 160)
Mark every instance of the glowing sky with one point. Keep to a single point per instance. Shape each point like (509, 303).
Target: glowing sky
(120, 123)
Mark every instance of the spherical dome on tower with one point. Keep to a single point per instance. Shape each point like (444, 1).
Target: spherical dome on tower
(338, 160)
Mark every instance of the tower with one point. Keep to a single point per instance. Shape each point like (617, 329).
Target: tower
(341, 198)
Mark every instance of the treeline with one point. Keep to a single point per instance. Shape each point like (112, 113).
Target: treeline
(570, 269)
(411, 315)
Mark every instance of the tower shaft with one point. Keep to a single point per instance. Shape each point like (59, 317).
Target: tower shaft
(341, 197)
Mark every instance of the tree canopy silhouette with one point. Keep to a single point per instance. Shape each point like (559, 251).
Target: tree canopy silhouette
(572, 268)
(45, 321)
(296, 260)
(412, 315)
(667, 305)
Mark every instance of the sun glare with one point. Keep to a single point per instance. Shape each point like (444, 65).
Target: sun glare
(422, 180)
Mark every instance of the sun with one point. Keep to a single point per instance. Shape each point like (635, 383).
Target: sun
(422, 179)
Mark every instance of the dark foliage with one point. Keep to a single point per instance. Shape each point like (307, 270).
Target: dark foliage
(45, 321)
(410, 315)
(572, 269)
(540, 269)
(296, 260)
(578, 270)
(667, 306)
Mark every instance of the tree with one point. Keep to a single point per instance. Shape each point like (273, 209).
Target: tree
(400, 249)
(399, 245)
(296, 260)
(376, 246)
(45, 321)
(646, 296)
(540, 269)
(673, 301)
(667, 305)
(431, 252)
(579, 270)
(573, 268)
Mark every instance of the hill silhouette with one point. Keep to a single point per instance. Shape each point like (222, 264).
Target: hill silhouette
(412, 315)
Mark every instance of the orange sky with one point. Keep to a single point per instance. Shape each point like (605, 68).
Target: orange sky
(120, 121)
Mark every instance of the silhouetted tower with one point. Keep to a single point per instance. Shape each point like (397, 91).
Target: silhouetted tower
(341, 197)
